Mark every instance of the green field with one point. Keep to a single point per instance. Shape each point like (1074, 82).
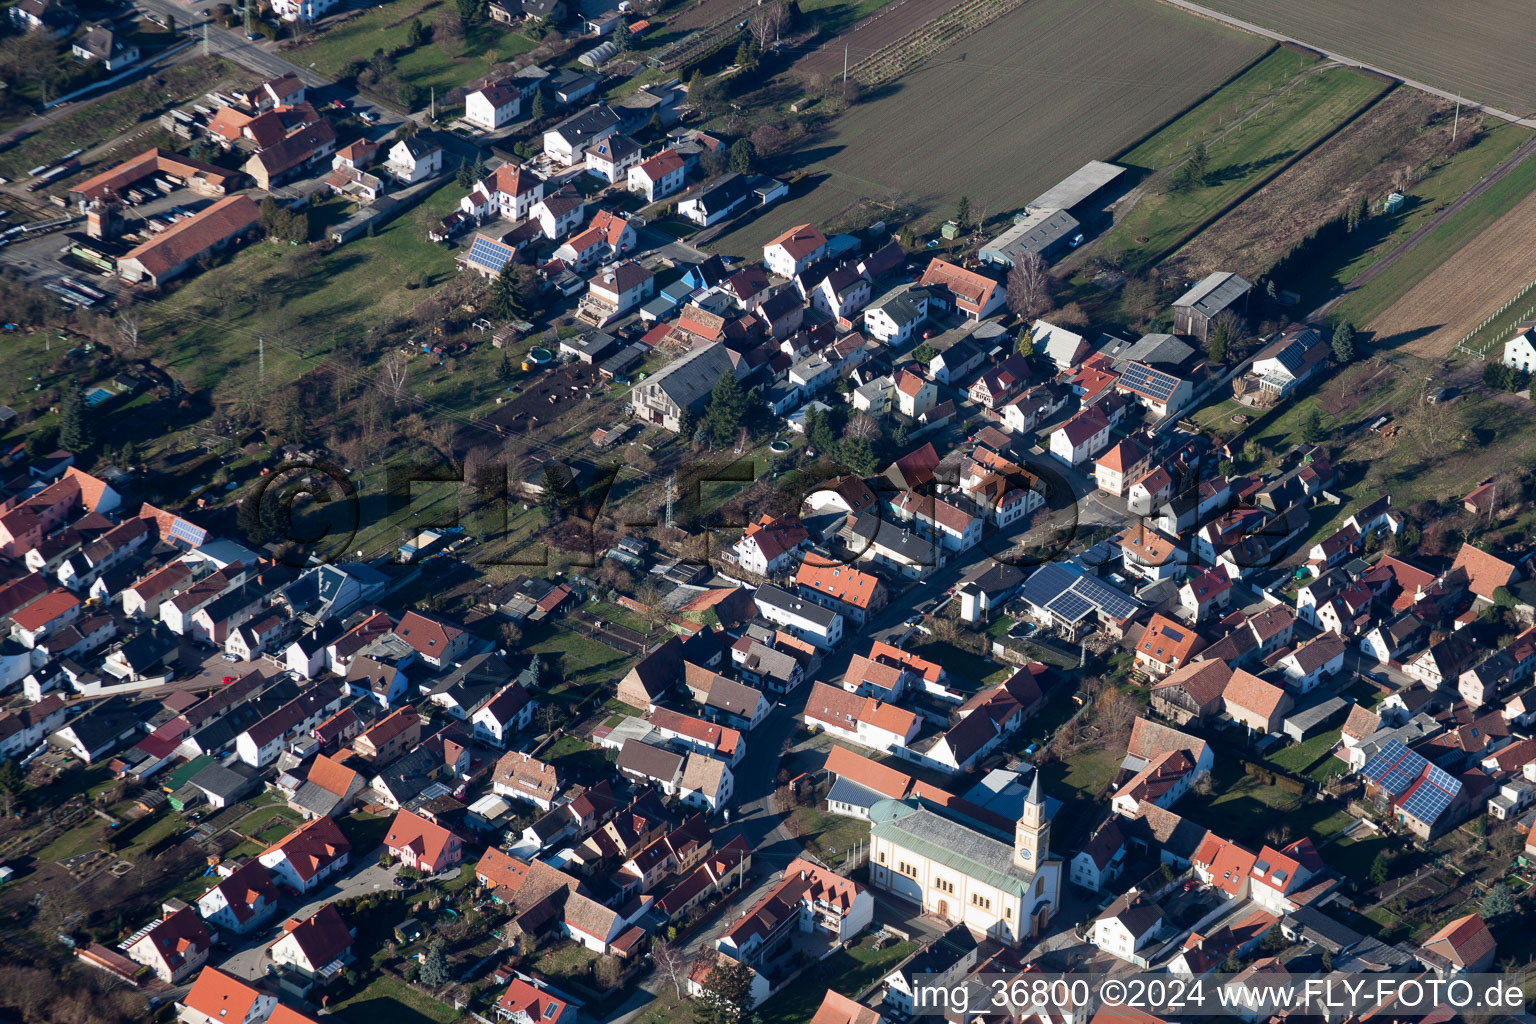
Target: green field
(389, 998)
(849, 971)
(428, 66)
(209, 328)
(1477, 48)
(1251, 129)
(1373, 297)
(1014, 122)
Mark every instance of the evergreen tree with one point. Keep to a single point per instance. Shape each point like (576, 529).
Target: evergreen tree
(741, 156)
(506, 301)
(75, 427)
(415, 34)
(466, 177)
(434, 965)
(859, 455)
(248, 521)
(538, 111)
(963, 211)
(727, 994)
(1344, 342)
(1381, 868)
(1024, 345)
(818, 431)
(1497, 904)
(1312, 429)
(504, 369)
(727, 406)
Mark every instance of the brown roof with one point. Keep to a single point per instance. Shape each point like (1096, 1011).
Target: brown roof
(1250, 693)
(44, 610)
(841, 582)
(331, 775)
(837, 1008)
(799, 241)
(1168, 642)
(427, 636)
(1485, 573)
(1204, 681)
(151, 161)
(1463, 941)
(528, 775)
(190, 238)
(1361, 723)
(971, 290)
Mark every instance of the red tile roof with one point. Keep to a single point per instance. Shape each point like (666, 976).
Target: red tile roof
(45, 610)
(187, 239)
(1463, 941)
(220, 996)
(799, 241)
(1485, 573)
(313, 848)
(411, 831)
(840, 582)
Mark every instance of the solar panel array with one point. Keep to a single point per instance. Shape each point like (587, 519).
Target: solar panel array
(1432, 796)
(1147, 381)
(1069, 606)
(489, 253)
(189, 534)
(1105, 598)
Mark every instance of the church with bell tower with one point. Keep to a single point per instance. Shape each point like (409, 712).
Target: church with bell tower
(966, 871)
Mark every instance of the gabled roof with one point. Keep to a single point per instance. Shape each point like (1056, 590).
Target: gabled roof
(409, 830)
(220, 996)
(1248, 692)
(1463, 941)
(799, 241)
(322, 937)
(312, 848)
(428, 637)
(1485, 573)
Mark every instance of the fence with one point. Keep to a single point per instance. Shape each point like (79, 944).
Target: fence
(1481, 351)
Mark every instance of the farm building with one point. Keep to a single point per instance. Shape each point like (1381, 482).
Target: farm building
(170, 253)
(1050, 222)
(1194, 311)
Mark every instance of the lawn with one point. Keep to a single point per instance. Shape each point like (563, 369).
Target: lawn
(1087, 770)
(1354, 857)
(1297, 757)
(1477, 48)
(389, 998)
(206, 331)
(1022, 127)
(1251, 129)
(963, 663)
(428, 66)
(849, 971)
(829, 837)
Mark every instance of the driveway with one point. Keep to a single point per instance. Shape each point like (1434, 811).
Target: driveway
(364, 876)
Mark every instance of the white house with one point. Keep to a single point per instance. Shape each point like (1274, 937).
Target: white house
(414, 159)
(242, 901)
(1082, 437)
(794, 250)
(567, 141)
(841, 293)
(915, 394)
(112, 49)
(1520, 350)
(494, 105)
(804, 619)
(716, 201)
(1127, 926)
(305, 858)
(504, 715)
(659, 176)
(770, 546)
(303, 10)
(318, 946)
(559, 213)
(896, 317)
(611, 159)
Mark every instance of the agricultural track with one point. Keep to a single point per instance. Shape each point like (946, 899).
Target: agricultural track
(921, 43)
(706, 41)
(1380, 266)
(1472, 282)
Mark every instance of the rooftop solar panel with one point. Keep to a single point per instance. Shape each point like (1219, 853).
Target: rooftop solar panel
(489, 253)
(1107, 599)
(1148, 381)
(1070, 606)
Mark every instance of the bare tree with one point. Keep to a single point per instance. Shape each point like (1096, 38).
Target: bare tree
(862, 427)
(766, 24)
(393, 377)
(672, 964)
(128, 330)
(1029, 286)
(1430, 428)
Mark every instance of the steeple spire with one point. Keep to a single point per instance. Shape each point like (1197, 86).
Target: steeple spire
(1034, 789)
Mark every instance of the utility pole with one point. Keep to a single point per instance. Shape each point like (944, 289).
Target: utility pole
(1457, 122)
(432, 107)
(671, 499)
(261, 363)
(845, 63)
(205, 39)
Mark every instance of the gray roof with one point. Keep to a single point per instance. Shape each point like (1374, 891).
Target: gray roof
(1160, 351)
(690, 378)
(1077, 186)
(974, 854)
(653, 762)
(732, 697)
(1214, 294)
(592, 121)
(901, 303)
(722, 192)
(1035, 233)
(224, 783)
(777, 597)
(1318, 713)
